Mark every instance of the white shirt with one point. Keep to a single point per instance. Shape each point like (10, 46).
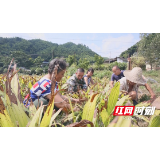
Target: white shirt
(124, 85)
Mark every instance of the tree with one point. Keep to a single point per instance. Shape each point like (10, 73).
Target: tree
(5, 70)
(38, 61)
(149, 47)
(29, 63)
(1, 70)
(83, 63)
(22, 50)
(99, 60)
(138, 62)
(70, 59)
(33, 71)
(39, 71)
(22, 59)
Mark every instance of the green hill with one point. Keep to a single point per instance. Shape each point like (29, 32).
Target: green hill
(130, 51)
(26, 51)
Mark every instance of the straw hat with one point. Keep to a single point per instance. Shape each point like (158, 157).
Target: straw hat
(135, 75)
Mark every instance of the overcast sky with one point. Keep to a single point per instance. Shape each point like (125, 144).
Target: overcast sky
(105, 44)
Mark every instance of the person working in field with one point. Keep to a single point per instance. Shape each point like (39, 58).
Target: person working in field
(88, 77)
(131, 82)
(42, 89)
(76, 82)
(117, 75)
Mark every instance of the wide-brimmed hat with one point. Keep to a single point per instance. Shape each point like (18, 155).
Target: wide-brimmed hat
(135, 75)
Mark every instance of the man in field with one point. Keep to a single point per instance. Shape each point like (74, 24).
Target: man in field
(117, 75)
(131, 82)
(76, 82)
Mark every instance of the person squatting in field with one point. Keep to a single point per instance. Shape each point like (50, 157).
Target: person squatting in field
(88, 77)
(76, 81)
(131, 82)
(117, 74)
(42, 89)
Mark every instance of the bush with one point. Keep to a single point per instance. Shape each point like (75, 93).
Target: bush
(122, 66)
(1, 70)
(71, 70)
(138, 62)
(39, 71)
(33, 71)
(5, 70)
(100, 67)
(83, 63)
(28, 72)
(152, 73)
(101, 74)
(46, 70)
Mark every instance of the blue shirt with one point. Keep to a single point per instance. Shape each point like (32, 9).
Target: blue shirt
(115, 77)
(89, 79)
(40, 89)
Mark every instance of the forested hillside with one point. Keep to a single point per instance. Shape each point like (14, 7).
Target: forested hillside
(130, 51)
(31, 52)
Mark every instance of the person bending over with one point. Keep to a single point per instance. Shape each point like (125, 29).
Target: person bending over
(76, 82)
(131, 82)
(41, 90)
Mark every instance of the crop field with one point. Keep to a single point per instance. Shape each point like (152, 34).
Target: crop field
(95, 111)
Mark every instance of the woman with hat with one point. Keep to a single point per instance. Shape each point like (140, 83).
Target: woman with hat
(131, 82)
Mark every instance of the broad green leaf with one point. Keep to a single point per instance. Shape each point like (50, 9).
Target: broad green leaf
(5, 120)
(155, 122)
(47, 116)
(105, 117)
(94, 117)
(86, 108)
(20, 115)
(54, 116)
(122, 101)
(35, 122)
(89, 108)
(113, 97)
(146, 104)
(157, 112)
(32, 110)
(71, 109)
(101, 104)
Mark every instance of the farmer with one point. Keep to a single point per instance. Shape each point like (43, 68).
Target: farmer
(42, 89)
(131, 82)
(88, 77)
(76, 82)
(117, 75)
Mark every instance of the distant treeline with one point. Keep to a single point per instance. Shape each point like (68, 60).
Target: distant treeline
(29, 53)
